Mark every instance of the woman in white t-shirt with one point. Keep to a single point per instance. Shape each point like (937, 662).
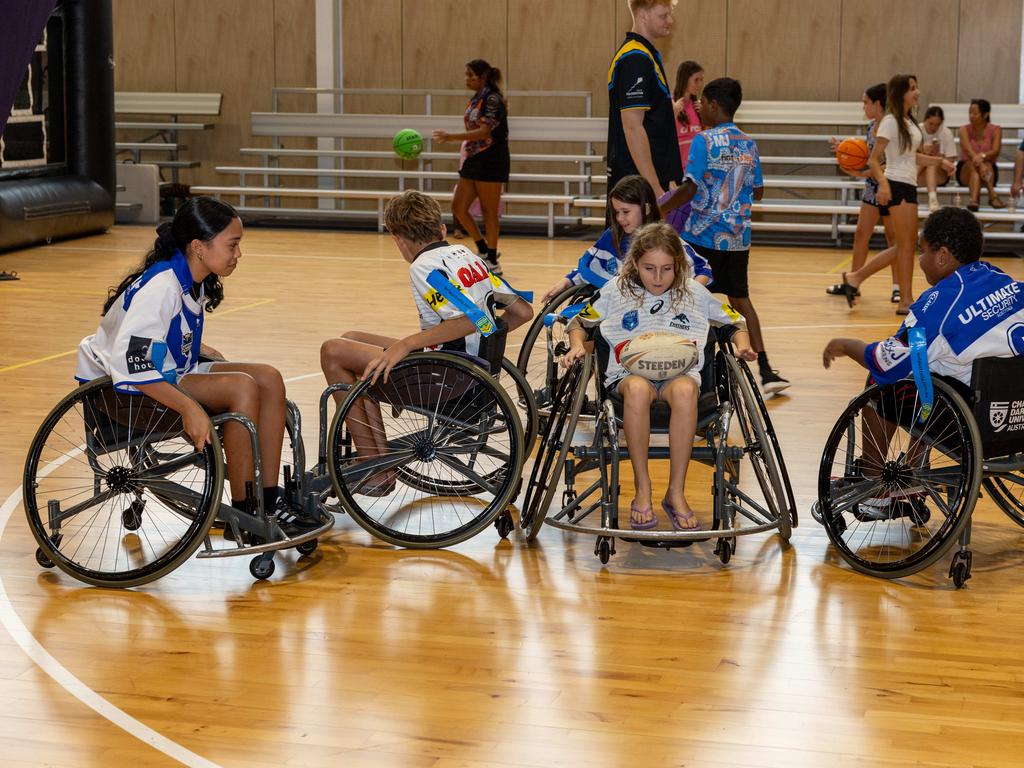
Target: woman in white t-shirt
(893, 163)
(937, 141)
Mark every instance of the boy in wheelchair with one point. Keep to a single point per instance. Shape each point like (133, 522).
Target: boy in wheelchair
(655, 291)
(415, 223)
(151, 338)
(973, 311)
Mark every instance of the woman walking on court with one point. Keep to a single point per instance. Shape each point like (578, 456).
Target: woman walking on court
(485, 162)
(893, 164)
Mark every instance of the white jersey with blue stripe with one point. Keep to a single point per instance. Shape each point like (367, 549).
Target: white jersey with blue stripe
(978, 311)
(152, 332)
(601, 261)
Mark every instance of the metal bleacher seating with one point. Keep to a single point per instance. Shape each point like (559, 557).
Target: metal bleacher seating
(805, 192)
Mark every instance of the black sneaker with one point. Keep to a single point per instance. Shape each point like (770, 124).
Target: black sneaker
(493, 264)
(292, 523)
(771, 382)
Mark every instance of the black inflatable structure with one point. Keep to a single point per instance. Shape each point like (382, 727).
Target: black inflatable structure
(72, 192)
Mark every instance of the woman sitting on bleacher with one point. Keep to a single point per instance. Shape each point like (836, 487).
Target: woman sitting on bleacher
(633, 204)
(974, 310)
(980, 144)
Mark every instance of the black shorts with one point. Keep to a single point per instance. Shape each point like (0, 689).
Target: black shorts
(961, 163)
(883, 210)
(902, 193)
(900, 403)
(728, 271)
(492, 164)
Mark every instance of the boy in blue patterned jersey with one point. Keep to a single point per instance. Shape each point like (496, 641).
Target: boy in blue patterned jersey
(723, 179)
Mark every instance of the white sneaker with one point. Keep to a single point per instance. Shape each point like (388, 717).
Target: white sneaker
(933, 202)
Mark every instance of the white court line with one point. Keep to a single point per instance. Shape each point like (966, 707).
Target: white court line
(62, 676)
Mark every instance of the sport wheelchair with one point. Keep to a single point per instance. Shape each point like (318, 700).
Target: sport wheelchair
(116, 495)
(896, 490)
(728, 393)
(457, 429)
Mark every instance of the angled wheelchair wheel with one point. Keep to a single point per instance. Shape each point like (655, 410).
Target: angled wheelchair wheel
(762, 446)
(555, 441)
(895, 492)
(518, 388)
(544, 344)
(446, 456)
(114, 491)
(1007, 491)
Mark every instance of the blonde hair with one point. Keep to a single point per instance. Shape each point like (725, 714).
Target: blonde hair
(414, 216)
(653, 237)
(640, 5)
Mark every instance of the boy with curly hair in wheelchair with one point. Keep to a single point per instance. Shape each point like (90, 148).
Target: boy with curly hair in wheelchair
(974, 310)
(415, 223)
(655, 291)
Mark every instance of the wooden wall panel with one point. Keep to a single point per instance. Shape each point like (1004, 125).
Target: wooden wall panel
(699, 33)
(882, 38)
(226, 47)
(784, 49)
(989, 51)
(144, 45)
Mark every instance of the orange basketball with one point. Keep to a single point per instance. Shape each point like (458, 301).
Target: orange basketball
(852, 154)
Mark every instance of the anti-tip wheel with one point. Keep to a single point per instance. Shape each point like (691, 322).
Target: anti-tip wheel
(262, 567)
(306, 547)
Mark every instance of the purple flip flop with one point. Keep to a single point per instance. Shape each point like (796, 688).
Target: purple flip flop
(635, 510)
(675, 517)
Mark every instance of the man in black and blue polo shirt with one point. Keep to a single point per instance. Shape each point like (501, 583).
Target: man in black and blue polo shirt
(641, 123)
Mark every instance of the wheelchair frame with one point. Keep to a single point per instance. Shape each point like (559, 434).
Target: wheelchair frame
(558, 454)
(136, 475)
(838, 507)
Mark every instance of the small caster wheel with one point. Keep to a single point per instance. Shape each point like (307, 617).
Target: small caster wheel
(960, 568)
(816, 513)
(131, 518)
(42, 559)
(261, 567)
(604, 549)
(305, 548)
(724, 551)
(504, 525)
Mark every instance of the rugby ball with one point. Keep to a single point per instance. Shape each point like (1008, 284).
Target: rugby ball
(657, 355)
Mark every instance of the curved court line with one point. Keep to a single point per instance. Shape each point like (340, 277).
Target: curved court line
(66, 680)
(63, 677)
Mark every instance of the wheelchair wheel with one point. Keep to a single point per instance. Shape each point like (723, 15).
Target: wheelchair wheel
(518, 388)
(114, 492)
(1008, 492)
(453, 449)
(543, 345)
(894, 493)
(555, 441)
(762, 446)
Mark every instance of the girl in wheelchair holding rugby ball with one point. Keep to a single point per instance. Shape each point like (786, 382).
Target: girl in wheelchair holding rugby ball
(655, 319)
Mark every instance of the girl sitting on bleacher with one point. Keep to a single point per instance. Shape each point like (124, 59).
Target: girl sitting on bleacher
(634, 205)
(655, 292)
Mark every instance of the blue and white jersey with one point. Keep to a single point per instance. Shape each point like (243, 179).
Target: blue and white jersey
(726, 167)
(601, 261)
(152, 332)
(978, 311)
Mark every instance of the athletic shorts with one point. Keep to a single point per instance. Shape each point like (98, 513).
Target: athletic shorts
(492, 164)
(693, 373)
(728, 270)
(899, 403)
(902, 193)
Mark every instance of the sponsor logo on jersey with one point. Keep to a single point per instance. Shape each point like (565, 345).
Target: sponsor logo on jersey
(680, 321)
(589, 313)
(631, 320)
(435, 300)
(657, 306)
(890, 353)
(930, 300)
(636, 89)
(996, 304)
(473, 274)
(186, 344)
(1015, 338)
(732, 313)
(137, 358)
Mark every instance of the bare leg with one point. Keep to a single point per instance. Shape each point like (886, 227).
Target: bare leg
(746, 308)
(681, 394)
(866, 221)
(904, 218)
(637, 396)
(489, 193)
(969, 178)
(237, 392)
(890, 241)
(465, 194)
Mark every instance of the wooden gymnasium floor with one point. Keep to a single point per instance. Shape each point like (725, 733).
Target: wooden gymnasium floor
(491, 654)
